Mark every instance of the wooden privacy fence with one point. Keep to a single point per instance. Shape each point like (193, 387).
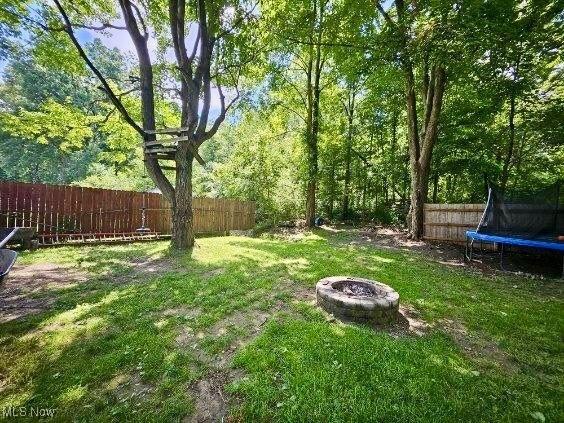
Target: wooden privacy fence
(60, 212)
(449, 222)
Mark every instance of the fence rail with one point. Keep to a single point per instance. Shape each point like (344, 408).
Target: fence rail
(449, 222)
(61, 209)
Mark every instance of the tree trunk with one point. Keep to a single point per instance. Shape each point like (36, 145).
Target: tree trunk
(421, 144)
(509, 156)
(330, 203)
(315, 66)
(346, 191)
(435, 186)
(349, 110)
(421, 135)
(419, 178)
(182, 214)
(311, 154)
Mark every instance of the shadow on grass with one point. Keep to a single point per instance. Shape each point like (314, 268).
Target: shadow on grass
(106, 349)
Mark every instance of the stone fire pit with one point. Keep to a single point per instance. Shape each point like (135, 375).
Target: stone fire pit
(358, 300)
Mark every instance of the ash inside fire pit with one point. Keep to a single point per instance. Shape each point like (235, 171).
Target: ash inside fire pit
(355, 288)
(358, 300)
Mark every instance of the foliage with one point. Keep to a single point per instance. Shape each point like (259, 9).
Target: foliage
(496, 54)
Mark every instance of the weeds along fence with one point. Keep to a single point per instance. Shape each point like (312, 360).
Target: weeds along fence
(449, 222)
(62, 213)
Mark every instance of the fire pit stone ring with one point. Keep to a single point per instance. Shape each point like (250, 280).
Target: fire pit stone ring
(358, 300)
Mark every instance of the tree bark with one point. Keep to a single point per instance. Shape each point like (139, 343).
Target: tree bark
(511, 145)
(421, 143)
(310, 149)
(435, 186)
(182, 215)
(421, 135)
(313, 98)
(349, 111)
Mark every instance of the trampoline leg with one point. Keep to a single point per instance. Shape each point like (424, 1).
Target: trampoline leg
(466, 258)
(501, 257)
(468, 251)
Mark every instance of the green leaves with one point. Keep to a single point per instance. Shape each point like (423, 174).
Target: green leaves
(62, 124)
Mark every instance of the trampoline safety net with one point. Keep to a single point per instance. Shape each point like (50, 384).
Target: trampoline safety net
(533, 215)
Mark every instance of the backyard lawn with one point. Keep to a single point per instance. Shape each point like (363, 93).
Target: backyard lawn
(133, 332)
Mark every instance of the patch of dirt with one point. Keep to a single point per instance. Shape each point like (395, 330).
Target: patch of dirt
(213, 273)
(211, 399)
(131, 388)
(296, 290)
(520, 263)
(143, 267)
(32, 288)
(397, 239)
(211, 403)
(409, 322)
(250, 321)
(477, 347)
(182, 311)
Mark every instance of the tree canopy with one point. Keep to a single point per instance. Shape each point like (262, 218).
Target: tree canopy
(336, 108)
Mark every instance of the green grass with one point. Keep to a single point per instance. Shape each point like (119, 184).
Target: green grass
(106, 349)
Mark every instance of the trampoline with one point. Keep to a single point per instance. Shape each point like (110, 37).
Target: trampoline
(534, 220)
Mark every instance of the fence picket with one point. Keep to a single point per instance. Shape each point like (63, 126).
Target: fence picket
(449, 222)
(56, 211)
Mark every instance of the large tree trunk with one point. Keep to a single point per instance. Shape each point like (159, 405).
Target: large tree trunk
(349, 110)
(182, 215)
(421, 143)
(313, 150)
(421, 135)
(419, 185)
(311, 153)
(315, 66)
(511, 146)
(313, 158)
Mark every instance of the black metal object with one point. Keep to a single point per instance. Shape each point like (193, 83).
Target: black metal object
(7, 260)
(7, 257)
(143, 228)
(6, 234)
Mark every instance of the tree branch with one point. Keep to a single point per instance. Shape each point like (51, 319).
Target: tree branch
(385, 14)
(46, 27)
(113, 98)
(239, 21)
(224, 109)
